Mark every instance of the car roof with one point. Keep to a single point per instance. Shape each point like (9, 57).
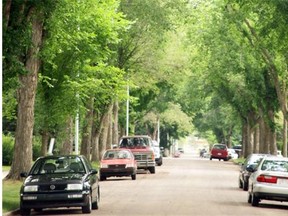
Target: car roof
(136, 136)
(274, 157)
(118, 149)
(59, 156)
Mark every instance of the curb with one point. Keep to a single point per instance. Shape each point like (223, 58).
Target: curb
(11, 213)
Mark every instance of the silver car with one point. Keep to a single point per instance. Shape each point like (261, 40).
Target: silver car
(269, 180)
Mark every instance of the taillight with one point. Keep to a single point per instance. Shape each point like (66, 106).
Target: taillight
(268, 179)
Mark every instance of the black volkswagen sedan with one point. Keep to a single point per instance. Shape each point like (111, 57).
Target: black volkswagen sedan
(60, 181)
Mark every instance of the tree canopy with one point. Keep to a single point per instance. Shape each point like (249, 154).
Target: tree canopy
(210, 67)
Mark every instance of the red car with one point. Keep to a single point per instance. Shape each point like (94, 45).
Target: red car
(219, 151)
(118, 163)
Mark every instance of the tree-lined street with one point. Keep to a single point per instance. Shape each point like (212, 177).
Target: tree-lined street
(188, 185)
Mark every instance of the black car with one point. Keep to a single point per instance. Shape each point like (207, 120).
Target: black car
(250, 162)
(60, 181)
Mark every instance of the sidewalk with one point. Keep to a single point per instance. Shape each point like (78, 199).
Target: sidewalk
(4, 173)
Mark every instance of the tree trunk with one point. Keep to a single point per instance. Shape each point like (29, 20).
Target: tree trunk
(115, 132)
(244, 139)
(67, 146)
(261, 135)
(272, 138)
(6, 10)
(110, 128)
(96, 130)
(266, 138)
(284, 148)
(87, 129)
(22, 156)
(45, 140)
(103, 135)
(256, 139)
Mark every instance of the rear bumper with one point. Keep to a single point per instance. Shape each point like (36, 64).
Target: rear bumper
(270, 192)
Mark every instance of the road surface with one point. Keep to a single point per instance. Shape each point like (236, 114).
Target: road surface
(188, 185)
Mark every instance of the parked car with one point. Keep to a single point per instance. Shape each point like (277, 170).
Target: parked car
(238, 149)
(269, 180)
(158, 153)
(119, 163)
(219, 151)
(232, 153)
(177, 154)
(142, 148)
(250, 162)
(60, 181)
(181, 150)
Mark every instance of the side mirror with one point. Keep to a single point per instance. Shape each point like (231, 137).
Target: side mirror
(93, 171)
(251, 168)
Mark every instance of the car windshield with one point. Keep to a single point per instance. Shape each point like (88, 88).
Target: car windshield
(222, 147)
(129, 142)
(275, 165)
(53, 165)
(122, 154)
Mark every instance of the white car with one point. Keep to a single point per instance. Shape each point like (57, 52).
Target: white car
(232, 153)
(269, 180)
(157, 152)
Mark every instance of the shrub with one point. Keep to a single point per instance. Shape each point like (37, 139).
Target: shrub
(7, 149)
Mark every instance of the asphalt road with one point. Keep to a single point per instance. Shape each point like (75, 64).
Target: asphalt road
(188, 185)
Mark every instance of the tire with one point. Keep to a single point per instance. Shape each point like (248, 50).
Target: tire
(254, 200)
(249, 198)
(245, 186)
(152, 170)
(102, 178)
(88, 206)
(25, 211)
(38, 209)
(240, 184)
(95, 204)
(133, 176)
(211, 158)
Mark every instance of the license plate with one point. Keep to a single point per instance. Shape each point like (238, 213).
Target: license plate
(282, 181)
(219, 153)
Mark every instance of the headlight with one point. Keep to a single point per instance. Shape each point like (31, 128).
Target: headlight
(74, 187)
(31, 188)
(104, 165)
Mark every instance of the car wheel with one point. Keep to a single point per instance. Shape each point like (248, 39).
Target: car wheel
(152, 170)
(38, 209)
(211, 158)
(254, 200)
(25, 211)
(240, 184)
(133, 176)
(249, 198)
(245, 186)
(95, 204)
(88, 207)
(102, 178)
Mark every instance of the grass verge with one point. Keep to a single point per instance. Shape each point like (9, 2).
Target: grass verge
(10, 195)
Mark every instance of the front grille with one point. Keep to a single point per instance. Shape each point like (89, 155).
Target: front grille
(141, 157)
(52, 187)
(117, 166)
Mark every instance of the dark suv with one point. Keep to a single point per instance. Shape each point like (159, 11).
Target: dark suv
(219, 151)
